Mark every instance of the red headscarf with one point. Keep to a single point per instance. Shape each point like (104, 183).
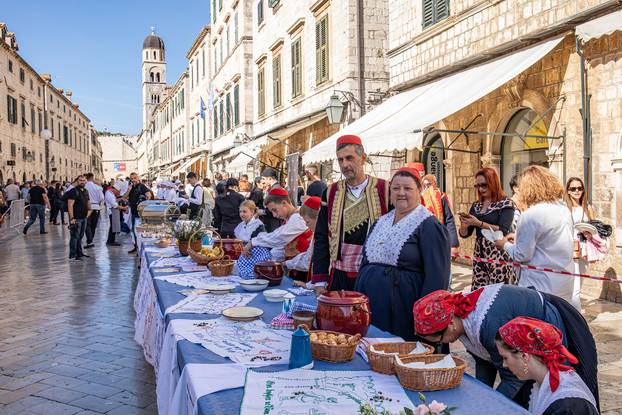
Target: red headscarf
(533, 336)
(433, 312)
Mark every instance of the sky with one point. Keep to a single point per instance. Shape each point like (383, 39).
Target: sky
(93, 48)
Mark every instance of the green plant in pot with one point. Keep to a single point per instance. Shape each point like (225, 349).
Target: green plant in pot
(188, 233)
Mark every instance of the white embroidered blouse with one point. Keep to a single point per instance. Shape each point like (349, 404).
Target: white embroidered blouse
(244, 230)
(570, 386)
(385, 242)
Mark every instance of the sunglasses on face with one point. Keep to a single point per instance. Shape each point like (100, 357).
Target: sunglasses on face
(482, 186)
(575, 189)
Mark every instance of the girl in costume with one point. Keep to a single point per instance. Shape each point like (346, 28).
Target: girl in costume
(300, 250)
(533, 350)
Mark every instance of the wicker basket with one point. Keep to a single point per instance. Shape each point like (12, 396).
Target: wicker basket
(221, 267)
(384, 363)
(201, 259)
(333, 353)
(429, 379)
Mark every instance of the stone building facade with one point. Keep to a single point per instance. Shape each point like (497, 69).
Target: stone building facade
(30, 104)
(546, 99)
(120, 155)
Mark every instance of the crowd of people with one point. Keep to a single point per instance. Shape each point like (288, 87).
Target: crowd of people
(393, 240)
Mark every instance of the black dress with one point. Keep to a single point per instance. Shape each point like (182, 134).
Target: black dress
(571, 406)
(227, 213)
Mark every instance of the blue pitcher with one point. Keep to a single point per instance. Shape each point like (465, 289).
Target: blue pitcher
(300, 351)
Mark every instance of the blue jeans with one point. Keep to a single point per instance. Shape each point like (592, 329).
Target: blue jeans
(75, 240)
(36, 211)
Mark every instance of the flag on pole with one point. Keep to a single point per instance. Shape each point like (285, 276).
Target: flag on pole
(202, 108)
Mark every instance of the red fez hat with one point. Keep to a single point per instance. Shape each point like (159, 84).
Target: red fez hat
(349, 139)
(313, 202)
(278, 191)
(409, 170)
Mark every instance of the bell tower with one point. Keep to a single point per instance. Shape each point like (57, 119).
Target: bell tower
(153, 75)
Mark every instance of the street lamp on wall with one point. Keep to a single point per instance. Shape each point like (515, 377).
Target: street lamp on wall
(334, 110)
(47, 135)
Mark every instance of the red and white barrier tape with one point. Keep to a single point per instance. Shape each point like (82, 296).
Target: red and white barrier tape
(519, 265)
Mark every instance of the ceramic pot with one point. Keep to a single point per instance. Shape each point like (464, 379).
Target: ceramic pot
(269, 270)
(232, 247)
(344, 312)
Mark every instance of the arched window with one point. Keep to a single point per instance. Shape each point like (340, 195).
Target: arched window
(151, 76)
(154, 54)
(146, 55)
(518, 153)
(158, 77)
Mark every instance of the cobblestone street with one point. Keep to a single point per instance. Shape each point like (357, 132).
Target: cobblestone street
(66, 331)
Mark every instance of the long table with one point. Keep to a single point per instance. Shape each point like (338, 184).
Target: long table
(153, 296)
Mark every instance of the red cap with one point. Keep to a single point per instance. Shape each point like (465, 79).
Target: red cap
(313, 202)
(349, 139)
(409, 170)
(278, 191)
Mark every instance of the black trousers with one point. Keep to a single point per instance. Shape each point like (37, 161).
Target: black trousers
(111, 234)
(91, 226)
(54, 210)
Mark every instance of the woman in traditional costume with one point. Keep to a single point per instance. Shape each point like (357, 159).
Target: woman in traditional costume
(271, 245)
(533, 350)
(492, 211)
(250, 226)
(475, 319)
(406, 256)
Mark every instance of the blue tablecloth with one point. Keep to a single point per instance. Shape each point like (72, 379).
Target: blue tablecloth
(471, 397)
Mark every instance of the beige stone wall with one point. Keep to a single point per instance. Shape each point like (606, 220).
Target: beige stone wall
(118, 149)
(69, 160)
(473, 27)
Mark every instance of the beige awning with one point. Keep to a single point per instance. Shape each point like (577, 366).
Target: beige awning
(186, 164)
(596, 28)
(390, 126)
(239, 165)
(278, 136)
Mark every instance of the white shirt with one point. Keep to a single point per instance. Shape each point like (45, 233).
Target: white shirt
(169, 195)
(544, 238)
(357, 190)
(96, 195)
(570, 386)
(196, 195)
(243, 230)
(111, 202)
(12, 192)
(281, 236)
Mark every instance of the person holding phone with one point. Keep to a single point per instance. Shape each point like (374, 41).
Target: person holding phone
(493, 211)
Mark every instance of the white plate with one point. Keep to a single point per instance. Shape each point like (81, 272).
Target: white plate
(274, 295)
(491, 235)
(243, 313)
(254, 285)
(219, 288)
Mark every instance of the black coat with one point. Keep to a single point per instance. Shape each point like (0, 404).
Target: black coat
(227, 213)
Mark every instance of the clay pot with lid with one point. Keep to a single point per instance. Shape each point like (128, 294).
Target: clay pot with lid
(344, 312)
(269, 270)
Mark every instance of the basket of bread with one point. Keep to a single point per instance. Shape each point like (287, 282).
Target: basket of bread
(332, 346)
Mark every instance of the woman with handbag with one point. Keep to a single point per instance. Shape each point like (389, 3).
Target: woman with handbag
(576, 201)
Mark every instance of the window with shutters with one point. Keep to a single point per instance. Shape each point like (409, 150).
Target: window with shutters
(221, 123)
(228, 111)
(261, 91)
(65, 135)
(276, 80)
(236, 104)
(321, 51)
(11, 109)
(33, 124)
(215, 121)
(296, 68)
(259, 12)
(23, 108)
(434, 11)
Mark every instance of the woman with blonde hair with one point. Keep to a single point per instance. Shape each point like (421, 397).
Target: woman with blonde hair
(544, 234)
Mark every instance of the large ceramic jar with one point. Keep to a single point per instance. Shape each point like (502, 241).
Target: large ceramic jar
(344, 312)
(232, 247)
(269, 270)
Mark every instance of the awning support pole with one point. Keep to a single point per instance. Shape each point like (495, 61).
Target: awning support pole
(585, 118)
(465, 128)
(547, 137)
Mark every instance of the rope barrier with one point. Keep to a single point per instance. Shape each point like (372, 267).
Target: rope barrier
(533, 267)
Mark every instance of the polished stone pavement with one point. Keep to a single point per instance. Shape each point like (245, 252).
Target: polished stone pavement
(66, 330)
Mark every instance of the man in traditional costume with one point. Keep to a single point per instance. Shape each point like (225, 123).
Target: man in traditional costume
(349, 209)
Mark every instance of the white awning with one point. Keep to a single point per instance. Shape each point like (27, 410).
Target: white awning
(250, 146)
(295, 127)
(596, 28)
(239, 165)
(389, 126)
(185, 165)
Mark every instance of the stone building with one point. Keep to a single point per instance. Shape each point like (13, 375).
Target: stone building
(304, 54)
(31, 104)
(500, 84)
(120, 156)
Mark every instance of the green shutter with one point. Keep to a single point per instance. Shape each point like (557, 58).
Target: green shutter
(276, 80)
(434, 11)
(442, 9)
(321, 50)
(236, 105)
